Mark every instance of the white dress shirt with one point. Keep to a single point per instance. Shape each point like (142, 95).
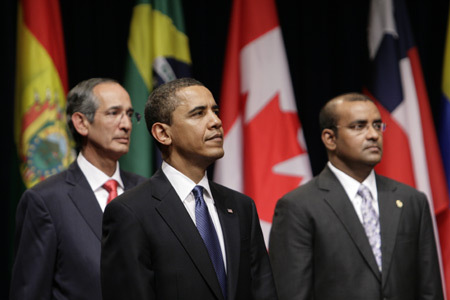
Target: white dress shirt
(351, 187)
(97, 178)
(183, 187)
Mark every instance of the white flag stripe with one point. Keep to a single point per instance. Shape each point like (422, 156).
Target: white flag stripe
(264, 74)
(413, 128)
(380, 23)
(228, 170)
(297, 166)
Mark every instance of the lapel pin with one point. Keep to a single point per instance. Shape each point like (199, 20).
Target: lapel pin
(229, 210)
(399, 203)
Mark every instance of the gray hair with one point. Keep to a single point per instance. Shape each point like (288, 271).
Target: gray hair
(82, 99)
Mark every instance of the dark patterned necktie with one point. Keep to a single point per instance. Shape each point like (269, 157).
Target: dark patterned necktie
(206, 229)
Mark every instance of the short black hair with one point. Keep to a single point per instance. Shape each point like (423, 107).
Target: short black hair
(163, 101)
(328, 118)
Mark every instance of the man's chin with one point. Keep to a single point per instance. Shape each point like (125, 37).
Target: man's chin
(374, 161)
(219, 154)
(213, 156)
(122, 150)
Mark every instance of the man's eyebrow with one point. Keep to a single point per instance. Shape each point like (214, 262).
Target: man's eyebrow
(114, 107)
(366, 121)
(119, 107)
(197, 108)
(359, 122)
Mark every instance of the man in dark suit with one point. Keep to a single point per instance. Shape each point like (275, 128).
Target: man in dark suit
(350, 233)
(154, 243)
(59, 221)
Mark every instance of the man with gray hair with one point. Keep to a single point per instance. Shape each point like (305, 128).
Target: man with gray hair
(59, 221)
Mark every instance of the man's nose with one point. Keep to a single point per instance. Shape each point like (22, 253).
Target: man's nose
(125, 122)
(215, 120)
(372, 133)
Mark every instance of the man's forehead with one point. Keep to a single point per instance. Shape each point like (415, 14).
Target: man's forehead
(111, 94)
(358, 110)
(195, 95)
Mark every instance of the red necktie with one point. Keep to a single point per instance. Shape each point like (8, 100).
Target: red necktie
(111, 187)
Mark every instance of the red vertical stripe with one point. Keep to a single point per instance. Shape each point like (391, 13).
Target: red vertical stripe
(43, 19)
(395, 139)
(258, 17)
(436, 173)
(435, 170)
(230, 94)
(250, 19)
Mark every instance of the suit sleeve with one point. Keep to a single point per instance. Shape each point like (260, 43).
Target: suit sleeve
(125, 260)
(430, 287)
(35, 250)
(291, 251)
(263, 285)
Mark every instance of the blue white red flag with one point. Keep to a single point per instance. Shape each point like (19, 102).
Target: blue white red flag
(411, 153)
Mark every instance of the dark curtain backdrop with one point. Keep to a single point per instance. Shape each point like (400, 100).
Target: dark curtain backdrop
(326, 44)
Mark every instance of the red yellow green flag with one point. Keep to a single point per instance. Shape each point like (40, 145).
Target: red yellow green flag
(40, 131)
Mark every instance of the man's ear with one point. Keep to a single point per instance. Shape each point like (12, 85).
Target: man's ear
(81, 123)
(161, 133)
(329, 139)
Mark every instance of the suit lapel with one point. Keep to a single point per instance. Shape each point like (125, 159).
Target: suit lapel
(129, 180)
(337, 199)
(389, 218)
(84, 199)
(177, 218)
(231, 234)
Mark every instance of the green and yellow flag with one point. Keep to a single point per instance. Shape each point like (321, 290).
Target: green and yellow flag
(40, 130)
(158, 52)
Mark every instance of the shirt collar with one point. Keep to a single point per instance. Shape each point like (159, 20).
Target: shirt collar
(351, 185)
(95, 177)
(182, 184)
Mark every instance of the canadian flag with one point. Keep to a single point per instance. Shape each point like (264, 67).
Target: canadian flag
(265, 153)
(411, 154)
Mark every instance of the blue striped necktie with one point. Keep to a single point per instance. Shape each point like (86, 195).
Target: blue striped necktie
(206, 229)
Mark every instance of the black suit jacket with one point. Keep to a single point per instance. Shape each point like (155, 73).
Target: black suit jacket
(58, 239)
(319, 250)
(151, 248)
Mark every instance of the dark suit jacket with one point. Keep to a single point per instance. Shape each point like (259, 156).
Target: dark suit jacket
(319, 250)
(58, 239)
(151, 248)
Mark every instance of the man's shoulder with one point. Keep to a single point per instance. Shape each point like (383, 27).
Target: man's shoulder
(397, 186)
(53, 182)
(132, 178)
(221, 189)
(48, 191)
(308, 188)
(396, 191)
